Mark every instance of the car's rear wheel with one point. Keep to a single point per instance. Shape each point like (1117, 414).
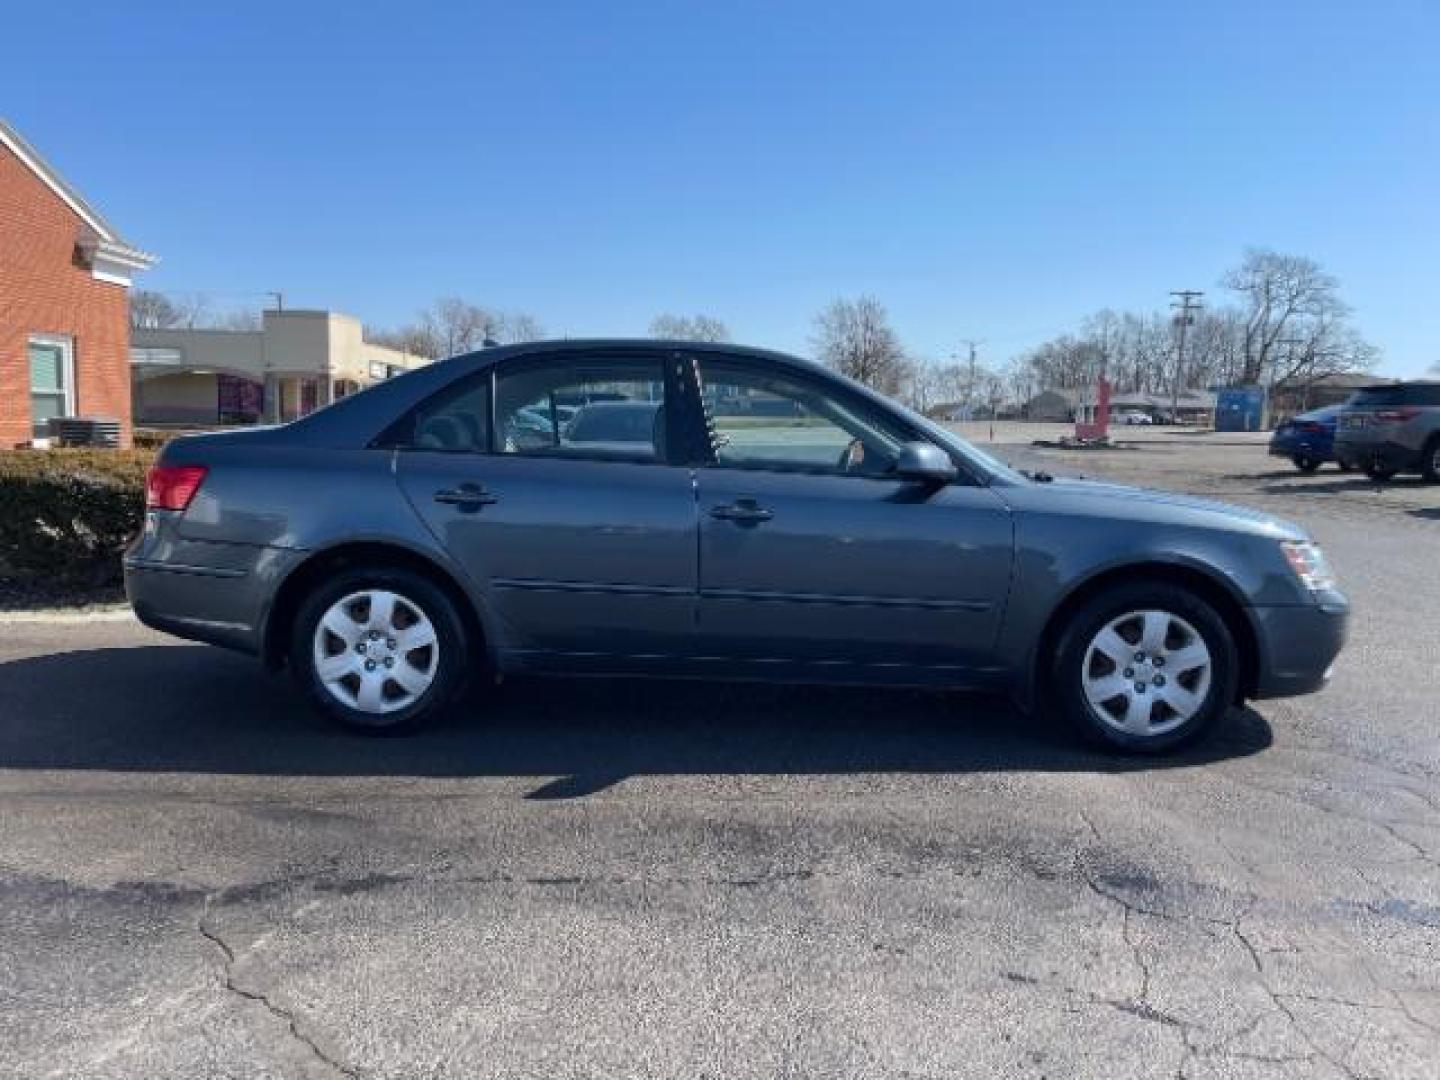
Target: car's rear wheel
(1430, 462)
(379, 650)
(1306, 464)
(1143, 668)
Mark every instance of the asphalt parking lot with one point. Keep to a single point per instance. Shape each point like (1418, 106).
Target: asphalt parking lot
(586, 879)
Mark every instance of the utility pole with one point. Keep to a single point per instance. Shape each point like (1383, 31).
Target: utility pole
(1185, 307)
(970, 383)
(279, 300)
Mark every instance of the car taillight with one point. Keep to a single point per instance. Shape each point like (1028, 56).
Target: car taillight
(1311, 427)
(171, 487)
(1397, 416)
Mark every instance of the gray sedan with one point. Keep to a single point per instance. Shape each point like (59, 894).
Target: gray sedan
(743, 514)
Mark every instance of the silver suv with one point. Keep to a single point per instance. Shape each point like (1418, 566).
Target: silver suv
(1390, 429)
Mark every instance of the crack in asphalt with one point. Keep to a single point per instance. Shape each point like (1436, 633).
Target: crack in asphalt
(259, 997)
(1115, 887)
(1343, 1064)
(1387, 826)
(1140, 1005)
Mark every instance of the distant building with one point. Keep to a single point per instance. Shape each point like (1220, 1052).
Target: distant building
(1058, 406)
(1078, 405)
(64, 301)
(1191, 407)
(295, 363)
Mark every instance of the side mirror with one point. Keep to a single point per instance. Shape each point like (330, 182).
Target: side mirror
(926, 462)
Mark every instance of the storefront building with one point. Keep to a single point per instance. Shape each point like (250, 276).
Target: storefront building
(295, 363)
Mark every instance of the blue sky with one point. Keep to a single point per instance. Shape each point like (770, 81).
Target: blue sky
(988, 170)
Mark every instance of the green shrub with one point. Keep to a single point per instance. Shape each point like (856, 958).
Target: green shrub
(66, 515)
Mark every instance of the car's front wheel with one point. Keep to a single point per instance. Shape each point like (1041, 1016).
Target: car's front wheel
(379, 650)
(1143, 668)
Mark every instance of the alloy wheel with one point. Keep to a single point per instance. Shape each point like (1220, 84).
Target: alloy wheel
(1147, 672)
(376, 651)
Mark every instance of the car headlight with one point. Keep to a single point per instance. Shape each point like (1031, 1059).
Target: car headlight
(1309, 564)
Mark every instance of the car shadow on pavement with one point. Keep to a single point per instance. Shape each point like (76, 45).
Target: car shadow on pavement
(197, 709)
(1305, 486)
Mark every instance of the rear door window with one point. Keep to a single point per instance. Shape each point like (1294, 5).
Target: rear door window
(586, 407)
(455, 421)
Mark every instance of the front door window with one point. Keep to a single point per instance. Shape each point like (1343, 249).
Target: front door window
(52, 382)
(768, 420)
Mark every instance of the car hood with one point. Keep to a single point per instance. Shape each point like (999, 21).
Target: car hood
(1147, 504)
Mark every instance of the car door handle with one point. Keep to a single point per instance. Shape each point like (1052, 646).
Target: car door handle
(742, 512)
(466, 496)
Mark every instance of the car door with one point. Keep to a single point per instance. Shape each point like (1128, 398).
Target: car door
(583, 549)
(810, 552)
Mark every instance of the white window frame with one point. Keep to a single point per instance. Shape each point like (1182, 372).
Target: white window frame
(66, 344)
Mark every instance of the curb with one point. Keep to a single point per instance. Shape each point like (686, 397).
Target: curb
(66, 615)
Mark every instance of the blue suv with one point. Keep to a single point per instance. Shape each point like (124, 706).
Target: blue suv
(1308, 440)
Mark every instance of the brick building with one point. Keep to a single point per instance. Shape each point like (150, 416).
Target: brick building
(64, 301)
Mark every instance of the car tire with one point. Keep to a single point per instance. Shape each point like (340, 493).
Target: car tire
(1430, 461)
(1305, 464)
(359, 671)
(1189, 681)
(1379, 473)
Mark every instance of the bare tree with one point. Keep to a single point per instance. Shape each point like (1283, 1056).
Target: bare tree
(459, 326)
(1291, 326)
(192, 309)
(689, 328)
(165, 311)
(922, 385)
(453, 325)
(152, 310)
(1021, 383)
(238, 319)
(511, 328)
(413, 339)
(1284, 297)
(855, 338)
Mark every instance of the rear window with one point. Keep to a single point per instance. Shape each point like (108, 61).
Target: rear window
(1394, 397)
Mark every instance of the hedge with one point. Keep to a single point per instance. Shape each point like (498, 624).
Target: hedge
(66, 515)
